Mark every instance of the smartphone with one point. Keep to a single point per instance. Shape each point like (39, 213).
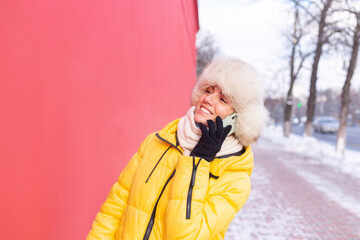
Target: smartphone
(230, 120)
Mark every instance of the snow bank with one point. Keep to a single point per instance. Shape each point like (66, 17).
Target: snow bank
(311, 147)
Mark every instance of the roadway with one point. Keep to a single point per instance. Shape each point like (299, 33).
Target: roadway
(352, 136)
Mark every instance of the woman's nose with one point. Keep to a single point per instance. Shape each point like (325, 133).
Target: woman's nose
(209, 99)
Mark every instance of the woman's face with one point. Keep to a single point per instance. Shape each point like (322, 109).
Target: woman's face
(212, 104)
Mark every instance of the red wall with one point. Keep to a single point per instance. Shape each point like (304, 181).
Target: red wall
(82, 83)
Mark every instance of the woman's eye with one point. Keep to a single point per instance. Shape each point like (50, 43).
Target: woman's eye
(223, 100)
(208, 91)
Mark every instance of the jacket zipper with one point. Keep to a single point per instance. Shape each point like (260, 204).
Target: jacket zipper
(191, 186)
(152, 218)
(157, 164)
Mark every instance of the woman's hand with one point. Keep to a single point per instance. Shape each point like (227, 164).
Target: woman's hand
(211, 140)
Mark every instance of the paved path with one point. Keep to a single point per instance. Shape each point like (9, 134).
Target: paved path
(295, 197)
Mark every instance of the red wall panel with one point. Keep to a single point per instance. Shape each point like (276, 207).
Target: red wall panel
(81, 85)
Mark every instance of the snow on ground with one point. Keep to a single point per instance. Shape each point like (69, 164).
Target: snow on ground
(310, 146)
(333, 192)
(262, 218)
(274, 211)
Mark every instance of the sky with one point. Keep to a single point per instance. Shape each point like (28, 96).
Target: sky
(252, 30)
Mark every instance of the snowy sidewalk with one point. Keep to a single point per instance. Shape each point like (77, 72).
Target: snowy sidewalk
(295, 196)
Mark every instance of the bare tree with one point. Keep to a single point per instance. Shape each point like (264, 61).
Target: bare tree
(345, 96)
(296, 53)
(325, 30)
(206, 49)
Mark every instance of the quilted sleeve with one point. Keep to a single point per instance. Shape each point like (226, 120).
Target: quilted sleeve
(107, 220)
(199, 210)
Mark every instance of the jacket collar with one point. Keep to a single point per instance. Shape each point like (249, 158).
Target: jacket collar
(168, 135)
(242, 161)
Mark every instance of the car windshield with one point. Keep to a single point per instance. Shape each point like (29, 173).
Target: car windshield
(327, 121)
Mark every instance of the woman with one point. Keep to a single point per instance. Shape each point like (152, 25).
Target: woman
(189, 180)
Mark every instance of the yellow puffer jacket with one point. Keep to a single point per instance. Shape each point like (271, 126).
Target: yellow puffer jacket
(162, 194)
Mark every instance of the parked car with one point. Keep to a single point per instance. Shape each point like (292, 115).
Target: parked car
(326, 124)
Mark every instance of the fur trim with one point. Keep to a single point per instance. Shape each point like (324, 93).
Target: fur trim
(241, 84)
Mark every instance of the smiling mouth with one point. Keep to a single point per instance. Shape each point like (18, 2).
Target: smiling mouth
(205, 110)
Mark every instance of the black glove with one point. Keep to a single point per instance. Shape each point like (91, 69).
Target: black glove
(211, 140)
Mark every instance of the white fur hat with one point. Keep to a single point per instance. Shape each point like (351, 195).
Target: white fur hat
(241, 84)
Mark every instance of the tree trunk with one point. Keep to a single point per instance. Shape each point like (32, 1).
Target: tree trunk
(289, 98)
(345, 96)
(308, 131)
(287, 116)
(312, 96)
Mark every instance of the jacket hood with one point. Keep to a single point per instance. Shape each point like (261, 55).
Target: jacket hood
(241, 84)
(219, 165)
